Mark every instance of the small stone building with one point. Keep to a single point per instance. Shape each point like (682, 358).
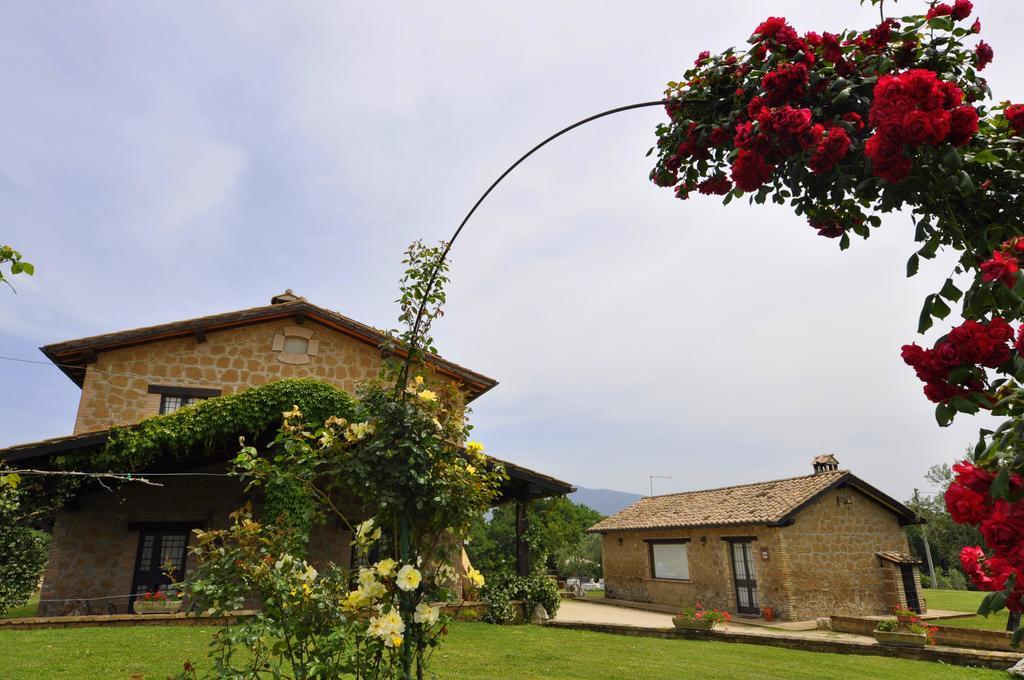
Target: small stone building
(822, 544)
(109, 547)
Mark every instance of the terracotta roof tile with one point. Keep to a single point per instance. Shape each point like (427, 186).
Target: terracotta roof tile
(759, 503)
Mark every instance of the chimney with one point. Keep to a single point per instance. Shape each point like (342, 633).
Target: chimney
(825, 463)
(286, 296)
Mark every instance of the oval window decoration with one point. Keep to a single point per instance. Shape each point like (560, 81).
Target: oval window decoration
(295, 345)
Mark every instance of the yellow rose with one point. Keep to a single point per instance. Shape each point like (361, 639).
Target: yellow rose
(428, 396)
(409, 578)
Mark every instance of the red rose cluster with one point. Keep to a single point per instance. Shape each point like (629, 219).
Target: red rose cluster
(961, 9)
(1015, 115)
(969, 501)
(770, 135)
(911, 109)
(1005, 263)
(970, 344)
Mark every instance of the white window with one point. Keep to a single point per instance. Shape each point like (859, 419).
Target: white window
(670, 560)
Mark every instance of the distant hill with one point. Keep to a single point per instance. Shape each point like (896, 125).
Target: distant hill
(605, 501)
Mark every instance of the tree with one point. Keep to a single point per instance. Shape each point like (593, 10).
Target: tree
(845, 127)
(556, 535)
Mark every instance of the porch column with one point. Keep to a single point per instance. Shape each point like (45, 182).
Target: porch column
(522, 549)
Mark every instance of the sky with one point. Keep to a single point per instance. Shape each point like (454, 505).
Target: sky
(161, 161)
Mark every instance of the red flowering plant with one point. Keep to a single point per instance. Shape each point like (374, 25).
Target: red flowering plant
(845, 127)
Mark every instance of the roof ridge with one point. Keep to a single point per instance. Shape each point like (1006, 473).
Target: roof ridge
(740, 486)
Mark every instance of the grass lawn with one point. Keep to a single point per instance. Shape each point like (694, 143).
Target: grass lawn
(473, 651)
(594, 594)
(963, 601)
(28, 609)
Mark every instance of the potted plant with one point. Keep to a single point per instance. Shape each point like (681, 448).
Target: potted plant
(894, 634)
(905, 615)
(699, 618)
(157, 602)
(768, 614)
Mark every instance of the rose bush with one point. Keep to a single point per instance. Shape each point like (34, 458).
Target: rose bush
(847, 126)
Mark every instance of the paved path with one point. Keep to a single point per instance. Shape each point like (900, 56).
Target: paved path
(579, 611)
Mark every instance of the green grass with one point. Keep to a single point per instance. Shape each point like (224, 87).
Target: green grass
(963, 601)
(27, 609)
(473, 651)
(595, 594)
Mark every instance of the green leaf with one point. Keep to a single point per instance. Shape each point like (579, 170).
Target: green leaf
(950, 291)
(912, 265)
(951, 158)
(1001, 484)
(965, 183)
(939, 308)
(944, 414)
(984, 156)
(925, 321)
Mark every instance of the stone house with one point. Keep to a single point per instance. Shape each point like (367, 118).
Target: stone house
(108, 547)
(821, 544)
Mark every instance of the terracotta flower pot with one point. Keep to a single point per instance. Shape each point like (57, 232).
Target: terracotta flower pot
(905, 618)
(692, 624)
(901, 639)
(768, 613)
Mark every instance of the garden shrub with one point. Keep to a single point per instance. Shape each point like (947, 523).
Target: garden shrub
(23, 553)
(503, 588)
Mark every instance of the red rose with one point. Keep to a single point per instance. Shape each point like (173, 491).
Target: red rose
(972, 477)
(952, 95)
(831, 49)
(961, 9)
(1015, 115)
(940, 10)
(976, 26)
(963, 125)
(784, 84)
(966, 506)
(750, 170)
(719, 137)
(830, 151)
(718, 184)
(1000, 268)
(702, 57)
(1000, 529)
(984, 54)
(790, 121)
(917, 128)
(971, 559)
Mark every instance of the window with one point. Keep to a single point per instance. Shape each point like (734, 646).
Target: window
(670, 560)
(295, 345)
(169, 404)
(160, 553)
(173, 397)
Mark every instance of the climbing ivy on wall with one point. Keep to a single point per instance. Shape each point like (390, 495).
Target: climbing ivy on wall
(213, 425)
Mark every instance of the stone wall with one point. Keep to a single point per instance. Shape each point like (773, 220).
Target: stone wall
(627, 568)
(228, 360)
(93, 552)
(833, 566)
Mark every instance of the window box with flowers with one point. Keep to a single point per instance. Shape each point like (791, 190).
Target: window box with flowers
(157, 602)
(699, 618)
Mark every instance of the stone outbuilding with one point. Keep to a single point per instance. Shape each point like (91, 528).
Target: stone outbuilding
(109, 547)
(821, 544)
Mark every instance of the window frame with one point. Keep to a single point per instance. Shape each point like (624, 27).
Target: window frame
(651, 542)
(187, 395)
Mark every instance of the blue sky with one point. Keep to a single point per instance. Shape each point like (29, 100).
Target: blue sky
(160, 161)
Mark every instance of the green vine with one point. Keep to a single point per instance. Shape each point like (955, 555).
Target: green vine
(213, 425)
